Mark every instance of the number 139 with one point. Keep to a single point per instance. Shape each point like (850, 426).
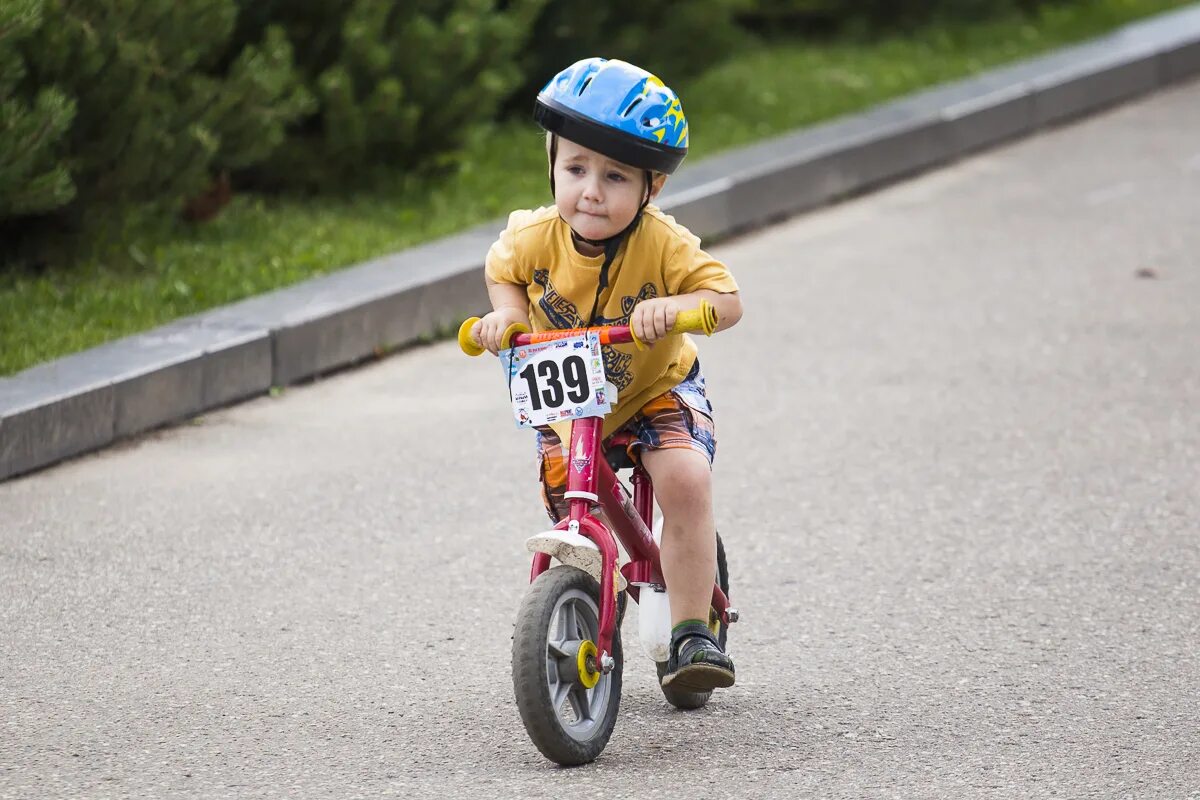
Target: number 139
(554, 392)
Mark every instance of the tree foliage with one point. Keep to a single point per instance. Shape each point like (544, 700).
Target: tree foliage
(669, 38)
(791, 17)
(135, 99)
(111, 101)
(397, 84)
(33, 178)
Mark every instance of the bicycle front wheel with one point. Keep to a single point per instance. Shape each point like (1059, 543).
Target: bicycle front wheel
(568, 709)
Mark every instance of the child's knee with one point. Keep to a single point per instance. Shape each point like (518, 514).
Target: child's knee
(682, 479)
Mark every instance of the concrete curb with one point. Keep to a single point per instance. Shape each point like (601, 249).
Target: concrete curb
(87, 400)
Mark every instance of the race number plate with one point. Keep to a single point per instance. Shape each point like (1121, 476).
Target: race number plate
(557, 380)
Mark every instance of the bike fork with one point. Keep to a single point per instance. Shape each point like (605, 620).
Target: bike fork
(586, 446)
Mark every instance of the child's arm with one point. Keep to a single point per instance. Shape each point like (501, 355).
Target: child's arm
(511, 304)
(652, 319)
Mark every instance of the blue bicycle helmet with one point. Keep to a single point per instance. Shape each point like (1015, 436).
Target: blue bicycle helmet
(616, 109)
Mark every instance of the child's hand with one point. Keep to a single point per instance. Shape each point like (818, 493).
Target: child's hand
(490, 329)
(652, 319)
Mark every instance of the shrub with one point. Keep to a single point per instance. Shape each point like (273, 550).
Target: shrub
(398, 84)
(33, 178)
(160, 103)
(161, 106)
(789, 17)
(671, 39)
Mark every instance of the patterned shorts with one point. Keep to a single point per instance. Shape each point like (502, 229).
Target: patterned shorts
(681, 417)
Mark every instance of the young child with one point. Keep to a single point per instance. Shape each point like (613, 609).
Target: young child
(602, 255)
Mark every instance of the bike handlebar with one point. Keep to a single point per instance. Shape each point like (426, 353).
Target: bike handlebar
(696, 320)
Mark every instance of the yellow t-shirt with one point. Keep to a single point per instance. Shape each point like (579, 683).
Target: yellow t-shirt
(660, 258)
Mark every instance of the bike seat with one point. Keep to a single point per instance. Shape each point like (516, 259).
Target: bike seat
(616, 452)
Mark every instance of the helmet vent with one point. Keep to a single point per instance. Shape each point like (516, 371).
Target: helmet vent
(584, 85)
(629, 109)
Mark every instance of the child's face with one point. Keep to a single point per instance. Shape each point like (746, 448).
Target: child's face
(598, 197)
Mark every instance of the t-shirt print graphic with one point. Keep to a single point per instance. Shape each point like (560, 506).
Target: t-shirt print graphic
(562, 313)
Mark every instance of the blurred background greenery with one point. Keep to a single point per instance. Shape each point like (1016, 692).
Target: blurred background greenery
(159, 157)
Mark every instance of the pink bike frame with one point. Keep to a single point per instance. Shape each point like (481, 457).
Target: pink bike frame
(591, 482)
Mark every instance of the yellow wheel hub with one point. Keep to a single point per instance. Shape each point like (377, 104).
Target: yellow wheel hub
(588, 676)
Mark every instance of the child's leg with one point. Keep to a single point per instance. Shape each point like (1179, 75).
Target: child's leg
(683, 486)
(676, 439)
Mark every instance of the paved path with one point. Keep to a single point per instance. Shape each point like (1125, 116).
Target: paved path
(958, 476)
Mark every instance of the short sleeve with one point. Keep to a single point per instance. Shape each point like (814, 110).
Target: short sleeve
(503, 263)
(690, 268)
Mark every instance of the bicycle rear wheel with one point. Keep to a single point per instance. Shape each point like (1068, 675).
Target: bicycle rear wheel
(692, 700)
(558, 625)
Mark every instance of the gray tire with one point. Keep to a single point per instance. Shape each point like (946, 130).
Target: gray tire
(569, 723)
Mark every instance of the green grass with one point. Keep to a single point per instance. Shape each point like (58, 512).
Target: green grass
(138, 270)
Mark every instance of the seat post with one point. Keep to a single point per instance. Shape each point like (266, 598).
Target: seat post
(643, 495)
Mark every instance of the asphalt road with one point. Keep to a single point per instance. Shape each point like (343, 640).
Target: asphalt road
(958, 478)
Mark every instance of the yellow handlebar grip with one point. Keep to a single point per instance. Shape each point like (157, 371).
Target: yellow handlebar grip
(473, 348)
(465, 342)
(702, 319)
(697, 320)
(510, 332)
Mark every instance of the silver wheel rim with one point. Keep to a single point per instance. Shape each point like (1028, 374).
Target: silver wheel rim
(579, 710)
